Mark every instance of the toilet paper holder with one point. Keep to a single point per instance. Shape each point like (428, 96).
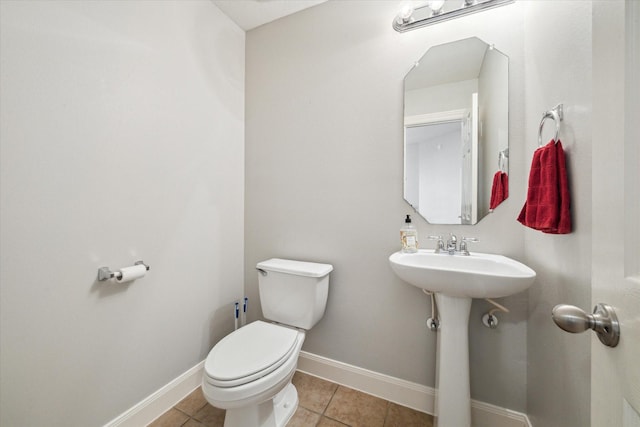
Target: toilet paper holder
(105, 273)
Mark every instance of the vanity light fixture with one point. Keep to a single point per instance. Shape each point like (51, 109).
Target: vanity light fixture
(416, 14)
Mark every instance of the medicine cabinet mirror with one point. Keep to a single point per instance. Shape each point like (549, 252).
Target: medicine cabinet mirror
(456, 132)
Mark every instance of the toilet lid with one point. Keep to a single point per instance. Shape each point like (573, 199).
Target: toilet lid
(250, 352)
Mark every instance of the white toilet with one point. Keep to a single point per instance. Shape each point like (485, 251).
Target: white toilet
(249, 371)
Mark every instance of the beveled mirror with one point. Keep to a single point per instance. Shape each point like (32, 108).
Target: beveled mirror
(456, 127)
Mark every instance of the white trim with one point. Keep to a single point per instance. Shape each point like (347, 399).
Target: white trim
(402, 392)
(153, 406)
(442, 116)
(487, 415)
(528, 422)
(475, 158)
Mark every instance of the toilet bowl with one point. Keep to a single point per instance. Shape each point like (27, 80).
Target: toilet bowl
(248, 373)
(250, 367)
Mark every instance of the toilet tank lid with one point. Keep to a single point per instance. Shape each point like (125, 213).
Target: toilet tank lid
(299, 268)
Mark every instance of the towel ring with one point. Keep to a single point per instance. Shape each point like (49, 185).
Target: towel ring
(557, 115)
(503, 157)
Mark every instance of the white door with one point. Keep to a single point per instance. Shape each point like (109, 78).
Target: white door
(615, 372)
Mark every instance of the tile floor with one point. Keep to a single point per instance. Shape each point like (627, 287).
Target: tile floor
(322, 404)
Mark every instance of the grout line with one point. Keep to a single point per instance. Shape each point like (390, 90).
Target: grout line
(337, 421)
(329, 403)
(324, 410)
(330, 400)
(180, 410)
(386, 413)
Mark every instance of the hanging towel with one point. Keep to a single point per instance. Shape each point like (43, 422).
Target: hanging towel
(499, 189)
(548, 200)
(505, 185)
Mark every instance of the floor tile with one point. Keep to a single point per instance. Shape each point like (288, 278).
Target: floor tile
(314, 393)
(328, 422)
(210, 416)
(171, 418)
(192, 403)
(400, 416)
(303, 418)
(357, 409)
(322, 404)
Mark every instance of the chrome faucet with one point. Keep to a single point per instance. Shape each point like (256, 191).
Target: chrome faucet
(463, 244)
(452, 244)
(439, 245)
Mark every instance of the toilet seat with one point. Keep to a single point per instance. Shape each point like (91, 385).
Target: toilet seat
(249, 353)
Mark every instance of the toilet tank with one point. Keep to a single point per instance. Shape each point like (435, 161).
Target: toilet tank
(293, 292)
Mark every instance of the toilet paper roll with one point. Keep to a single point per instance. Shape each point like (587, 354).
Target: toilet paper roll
(128, 274)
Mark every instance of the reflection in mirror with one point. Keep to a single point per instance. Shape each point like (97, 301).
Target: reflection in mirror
(456, 132)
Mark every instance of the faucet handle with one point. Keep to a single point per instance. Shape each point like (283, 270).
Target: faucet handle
(439, 245)
(463, 244)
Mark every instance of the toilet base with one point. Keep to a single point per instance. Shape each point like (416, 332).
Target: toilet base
(274, 412)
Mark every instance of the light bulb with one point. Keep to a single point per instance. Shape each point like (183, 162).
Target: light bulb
(405, 13)
(436, 6)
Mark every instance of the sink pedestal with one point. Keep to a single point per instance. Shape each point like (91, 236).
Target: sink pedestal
(453, 396)
(455, 279)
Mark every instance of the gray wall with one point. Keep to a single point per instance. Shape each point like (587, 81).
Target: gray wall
(558, 69)
(105, 101)
(324, 183)
(121, 139)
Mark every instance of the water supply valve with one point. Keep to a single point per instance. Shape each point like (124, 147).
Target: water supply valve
(433, 324)
(490, 320)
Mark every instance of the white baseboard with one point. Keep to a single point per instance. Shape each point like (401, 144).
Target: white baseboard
(402, 392)
(161, 401)
(405, 393)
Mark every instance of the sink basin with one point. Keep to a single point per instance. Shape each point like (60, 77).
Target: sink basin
(455, 280)
(474, 276)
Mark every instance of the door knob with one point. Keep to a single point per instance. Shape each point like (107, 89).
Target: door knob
(603, 321)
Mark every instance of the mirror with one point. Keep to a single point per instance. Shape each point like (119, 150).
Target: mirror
(456, 132)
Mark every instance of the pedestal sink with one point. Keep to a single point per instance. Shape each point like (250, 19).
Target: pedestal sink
(455, 280)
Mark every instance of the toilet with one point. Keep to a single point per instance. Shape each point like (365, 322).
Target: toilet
(249, 371)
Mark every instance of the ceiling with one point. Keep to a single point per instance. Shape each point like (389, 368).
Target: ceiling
(249, 14)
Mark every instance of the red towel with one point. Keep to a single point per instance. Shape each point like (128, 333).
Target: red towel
(548, 200)
(505, 185)
(499, 189)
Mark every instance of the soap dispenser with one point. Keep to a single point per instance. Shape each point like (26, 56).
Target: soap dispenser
(409, 236)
